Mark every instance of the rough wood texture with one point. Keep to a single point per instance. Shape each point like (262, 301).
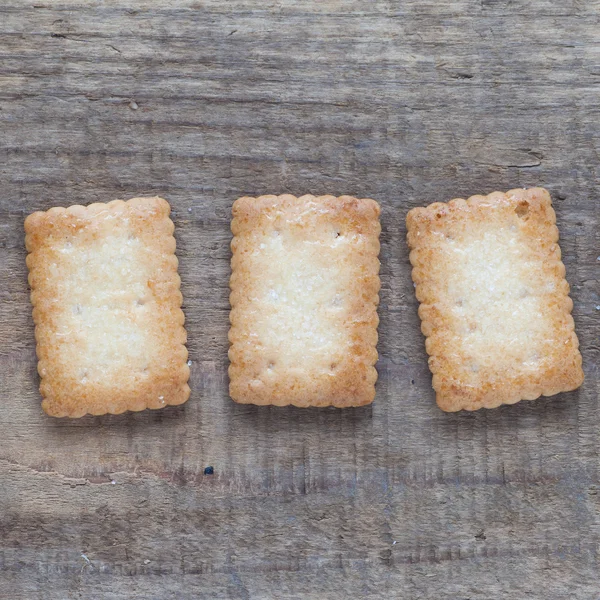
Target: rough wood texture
(203, 101)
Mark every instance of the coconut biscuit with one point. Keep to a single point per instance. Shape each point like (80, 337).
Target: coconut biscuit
(495, 304)
(304, 296)
(107, 308)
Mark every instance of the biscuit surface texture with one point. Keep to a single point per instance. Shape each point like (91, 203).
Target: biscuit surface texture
(107, 308)
(495, 304)
(304, 296)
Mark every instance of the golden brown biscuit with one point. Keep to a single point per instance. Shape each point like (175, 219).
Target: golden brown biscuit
(304, 295)
(495, 304)
(107, 308)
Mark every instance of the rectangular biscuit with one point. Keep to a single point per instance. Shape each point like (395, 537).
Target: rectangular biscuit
(495, 304)
(107, 308)
(304, 296)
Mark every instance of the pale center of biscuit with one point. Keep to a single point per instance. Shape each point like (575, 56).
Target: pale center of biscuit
(496, 297)
(101, 330)
(300, 299)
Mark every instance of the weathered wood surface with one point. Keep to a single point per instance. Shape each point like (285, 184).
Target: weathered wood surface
(202, 101)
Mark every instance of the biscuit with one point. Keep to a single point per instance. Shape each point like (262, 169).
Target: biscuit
(107, 308)
(495, 304)
(304, 296)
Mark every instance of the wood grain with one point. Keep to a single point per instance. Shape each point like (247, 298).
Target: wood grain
(203, 101)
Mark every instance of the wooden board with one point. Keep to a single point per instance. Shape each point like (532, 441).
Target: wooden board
(202, 101)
